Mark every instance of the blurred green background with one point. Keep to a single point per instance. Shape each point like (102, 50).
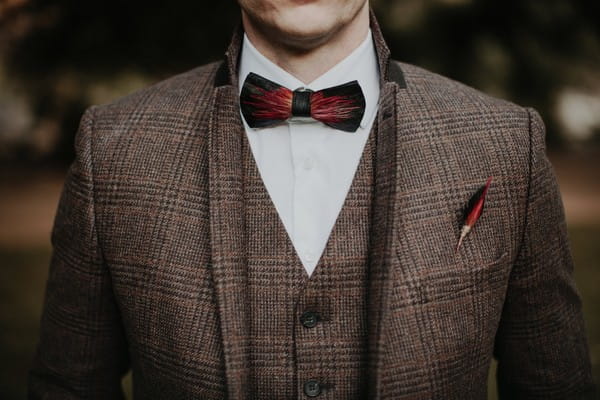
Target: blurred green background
(57, 58)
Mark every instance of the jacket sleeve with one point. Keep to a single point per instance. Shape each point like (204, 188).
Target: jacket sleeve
(82, 351)
(541, 345)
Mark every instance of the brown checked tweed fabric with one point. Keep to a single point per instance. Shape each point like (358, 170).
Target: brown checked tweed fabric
(287, 350)
(153, 267)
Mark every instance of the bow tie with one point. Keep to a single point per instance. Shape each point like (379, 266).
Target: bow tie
(265, 103)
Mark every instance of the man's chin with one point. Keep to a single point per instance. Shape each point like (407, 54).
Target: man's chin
(303, 34)
(303, 26)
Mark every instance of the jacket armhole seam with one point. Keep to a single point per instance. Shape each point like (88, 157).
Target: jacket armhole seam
(99, 249)
(529, 179)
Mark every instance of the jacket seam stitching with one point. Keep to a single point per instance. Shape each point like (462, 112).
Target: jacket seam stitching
(529, 179)
(99, 248)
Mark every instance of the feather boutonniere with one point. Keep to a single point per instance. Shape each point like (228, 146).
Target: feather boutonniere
(473, 212)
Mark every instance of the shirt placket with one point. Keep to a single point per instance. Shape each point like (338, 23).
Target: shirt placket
(306, 208)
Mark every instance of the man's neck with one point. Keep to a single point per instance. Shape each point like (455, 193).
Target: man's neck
(308, 63)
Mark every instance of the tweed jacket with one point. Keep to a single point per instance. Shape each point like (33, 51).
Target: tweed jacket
(149, 263)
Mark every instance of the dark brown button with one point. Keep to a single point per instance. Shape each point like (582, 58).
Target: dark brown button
(309, 319)
(312, 388)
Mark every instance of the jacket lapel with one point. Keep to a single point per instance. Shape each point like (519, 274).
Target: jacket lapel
(227, 224)
(384, 224)
(395, 243)
(381, 230)
(409, 192)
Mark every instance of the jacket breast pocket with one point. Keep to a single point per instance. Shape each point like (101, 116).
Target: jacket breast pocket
(466, 278)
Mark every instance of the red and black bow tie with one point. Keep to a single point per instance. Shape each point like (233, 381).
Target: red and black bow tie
(265, 103)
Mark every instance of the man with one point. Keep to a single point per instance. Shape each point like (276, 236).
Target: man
(285, 225)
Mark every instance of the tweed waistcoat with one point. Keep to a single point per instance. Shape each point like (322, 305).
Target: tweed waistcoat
(308, 329)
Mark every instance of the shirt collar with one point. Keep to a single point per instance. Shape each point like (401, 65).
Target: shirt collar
(360, 65)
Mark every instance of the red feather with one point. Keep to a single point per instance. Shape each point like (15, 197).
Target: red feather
(474, 213)
(332, 109)
(272, 104)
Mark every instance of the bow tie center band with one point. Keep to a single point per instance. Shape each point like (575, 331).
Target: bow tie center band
(265, 103)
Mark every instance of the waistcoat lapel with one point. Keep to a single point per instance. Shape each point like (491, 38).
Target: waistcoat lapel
(227, 225)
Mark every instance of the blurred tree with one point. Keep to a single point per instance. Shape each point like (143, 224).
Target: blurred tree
(526, 51)
(523, 50)
(57, 51)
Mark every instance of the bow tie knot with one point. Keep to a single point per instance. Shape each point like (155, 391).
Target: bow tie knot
(265, 103)
(301, 102)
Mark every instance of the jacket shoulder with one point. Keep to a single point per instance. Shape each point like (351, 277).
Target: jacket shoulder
(152, 129)
(180, 93)
(435, 91)
(158, 115)
(436, 107)
(466, 128)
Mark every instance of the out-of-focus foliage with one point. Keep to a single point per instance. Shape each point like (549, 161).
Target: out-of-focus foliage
(528, 51)
(59, 57)
(66, 54)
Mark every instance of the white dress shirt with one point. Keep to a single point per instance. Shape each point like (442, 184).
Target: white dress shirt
(306, 166)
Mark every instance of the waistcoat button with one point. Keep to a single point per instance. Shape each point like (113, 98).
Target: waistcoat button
(309, 319)
(312, 388)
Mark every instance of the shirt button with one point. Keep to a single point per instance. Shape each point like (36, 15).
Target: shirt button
(310, 256)
(309, 163)
(312, 388)
(309, 319)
